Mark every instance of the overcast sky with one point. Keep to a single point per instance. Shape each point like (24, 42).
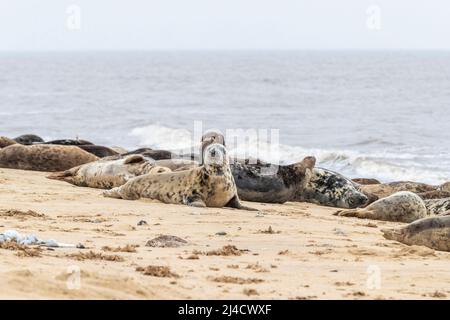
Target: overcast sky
(223, 24)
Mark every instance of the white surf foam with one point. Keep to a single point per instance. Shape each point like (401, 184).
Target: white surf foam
(385, 166)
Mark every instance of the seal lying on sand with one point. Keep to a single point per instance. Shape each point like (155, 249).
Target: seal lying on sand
(4, 142)
(332, 189)
(43, 157)
(386, 189)
(210, 185)
(263, 183)
(98, 151)
(432, 232)
(108, 174)
(402, 206)
(434, 195)
(437, 206)
(69, 142)
(28, 139)
(366, 181)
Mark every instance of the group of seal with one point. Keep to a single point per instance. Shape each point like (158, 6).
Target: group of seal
(213, 179)
(208, 185)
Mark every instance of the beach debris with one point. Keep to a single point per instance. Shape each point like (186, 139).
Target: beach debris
(142, 223)
(157, 271)
(166, 241)
(259, 215)
(221, 233)
(31, 239)
(228, 250)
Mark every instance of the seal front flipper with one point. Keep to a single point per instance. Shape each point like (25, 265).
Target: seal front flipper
(195, 202)
(236, 203)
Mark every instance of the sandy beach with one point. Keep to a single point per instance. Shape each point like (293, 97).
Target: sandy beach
(289, 251)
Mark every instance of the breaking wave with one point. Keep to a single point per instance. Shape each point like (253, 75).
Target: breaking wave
(385, 166)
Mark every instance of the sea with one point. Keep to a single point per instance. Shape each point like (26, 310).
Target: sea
(372, 114)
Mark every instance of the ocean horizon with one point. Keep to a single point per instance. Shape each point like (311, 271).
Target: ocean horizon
(376, 114)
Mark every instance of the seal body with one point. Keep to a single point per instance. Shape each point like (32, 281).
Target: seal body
(98, 151)
(386, 189)
(28, 139)
(268, 183)
(402, 206)
(107, 174)
(432, 232)
(4, 142)
(70, 142)
(437, 206)
(43, 157)
(209, 185)
(332, 189)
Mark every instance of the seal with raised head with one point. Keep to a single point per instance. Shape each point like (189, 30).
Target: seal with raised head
(28, 139)
(209, 185)
(437, 206)
(403, 206)
(43, 157)
(431, 232)
(4, 142)
(107, 174)
(386, 189)
(332, 189)
(269, 183)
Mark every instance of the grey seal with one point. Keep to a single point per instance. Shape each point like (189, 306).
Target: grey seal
(209, 185)
(431, 232)
(403, 206)
(332, 189)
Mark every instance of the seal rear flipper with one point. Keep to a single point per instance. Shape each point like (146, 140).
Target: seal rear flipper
(358, 213)
(195, 202)
(113, 193)
(236, 203)
(63, 176)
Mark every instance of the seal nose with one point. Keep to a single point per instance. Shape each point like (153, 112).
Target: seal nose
(213, 153)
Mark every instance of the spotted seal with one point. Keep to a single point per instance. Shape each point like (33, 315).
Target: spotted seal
(28, 139)
(437, 206)
(107, 174)
(403, 206)
(43, 157)
(209, 185)
(332, 189)
(431, 232)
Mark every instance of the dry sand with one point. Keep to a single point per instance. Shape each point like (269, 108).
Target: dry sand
(291, 251)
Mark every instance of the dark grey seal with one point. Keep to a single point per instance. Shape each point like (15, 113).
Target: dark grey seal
(28, 139)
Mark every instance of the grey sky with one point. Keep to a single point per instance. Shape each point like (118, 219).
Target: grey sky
(223, 24)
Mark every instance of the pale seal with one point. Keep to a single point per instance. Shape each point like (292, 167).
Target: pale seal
(431, 232)
(332, 189)
(437, 206)
(4, 142)
(43, 157)
(209, 185)
(402, 206)
(28, 139)
(269, 183)
(107, 174)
